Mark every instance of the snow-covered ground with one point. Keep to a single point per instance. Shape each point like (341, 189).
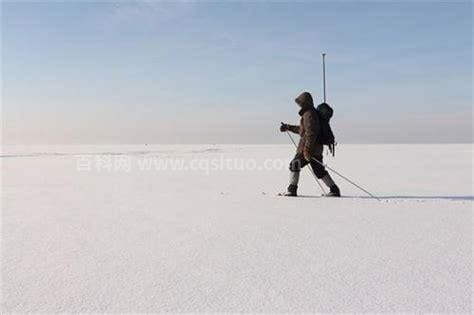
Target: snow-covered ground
(108, 229)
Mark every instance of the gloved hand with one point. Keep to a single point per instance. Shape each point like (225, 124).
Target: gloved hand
(284, 127)
(307, 154)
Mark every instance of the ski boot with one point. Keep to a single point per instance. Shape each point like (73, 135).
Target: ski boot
(291, 191)
(333, 192)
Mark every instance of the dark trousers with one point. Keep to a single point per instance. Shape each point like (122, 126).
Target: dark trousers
(299, 162)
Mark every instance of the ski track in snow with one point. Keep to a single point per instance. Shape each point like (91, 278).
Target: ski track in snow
(187, 241)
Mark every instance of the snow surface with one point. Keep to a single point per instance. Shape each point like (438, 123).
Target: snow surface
(221, 241)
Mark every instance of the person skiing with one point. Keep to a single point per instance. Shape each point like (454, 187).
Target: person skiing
(309, 147)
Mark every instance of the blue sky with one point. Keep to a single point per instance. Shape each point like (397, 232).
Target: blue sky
(217, 72)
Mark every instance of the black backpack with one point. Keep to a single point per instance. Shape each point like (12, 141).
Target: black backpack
(326, 136)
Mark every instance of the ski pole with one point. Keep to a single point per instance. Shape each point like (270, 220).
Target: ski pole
(310, 168)
(344, 177)
(334, 171)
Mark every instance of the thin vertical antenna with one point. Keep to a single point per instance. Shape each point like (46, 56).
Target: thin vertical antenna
(324, 76)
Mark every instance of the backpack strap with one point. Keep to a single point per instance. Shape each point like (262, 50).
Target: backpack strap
(332, 148)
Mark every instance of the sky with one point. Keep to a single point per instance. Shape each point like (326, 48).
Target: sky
(135, 72)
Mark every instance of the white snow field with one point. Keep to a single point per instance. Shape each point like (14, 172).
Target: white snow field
(91, 229)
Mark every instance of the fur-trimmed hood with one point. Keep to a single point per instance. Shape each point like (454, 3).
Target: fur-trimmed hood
(305, 100)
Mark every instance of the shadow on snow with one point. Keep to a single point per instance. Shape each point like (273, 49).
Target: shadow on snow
(400, 197)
